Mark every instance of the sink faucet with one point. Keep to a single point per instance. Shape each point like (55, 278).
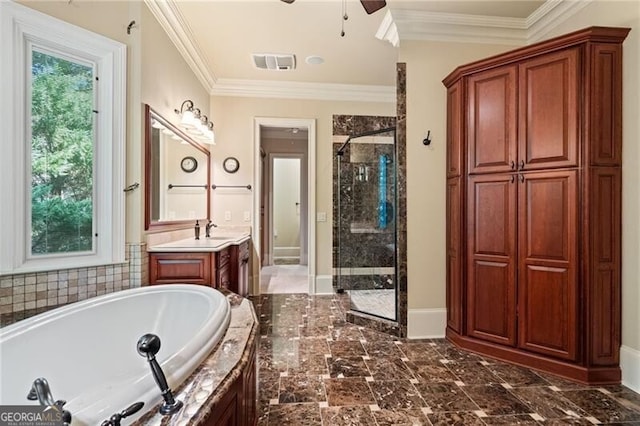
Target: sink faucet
(207, 229)
(41, 392)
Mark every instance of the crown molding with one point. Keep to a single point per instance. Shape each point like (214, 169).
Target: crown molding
(398, 24)
(403, 24)
(171, 20)
(551, 14)
(452, 27)
(388, 30)
(299, 90)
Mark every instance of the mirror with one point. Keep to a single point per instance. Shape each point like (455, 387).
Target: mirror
(178, 178)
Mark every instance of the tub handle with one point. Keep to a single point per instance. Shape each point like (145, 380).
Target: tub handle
(148, 346)
(116, 418)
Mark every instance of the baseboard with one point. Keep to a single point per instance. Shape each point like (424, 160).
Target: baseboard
(426, 323)
(324, 284)
(630, 366)
(286, 251)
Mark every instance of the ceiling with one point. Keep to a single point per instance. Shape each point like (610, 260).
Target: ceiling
(222, 35)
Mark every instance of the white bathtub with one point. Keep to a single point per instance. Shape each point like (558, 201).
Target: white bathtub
(87, 350)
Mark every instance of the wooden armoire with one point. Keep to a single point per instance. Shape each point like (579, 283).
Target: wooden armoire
(534, 156)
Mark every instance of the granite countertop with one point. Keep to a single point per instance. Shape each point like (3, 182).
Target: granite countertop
(217, 242)
(213, 378)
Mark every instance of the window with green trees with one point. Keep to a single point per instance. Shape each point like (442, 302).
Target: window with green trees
(62, 154)
(63, 103)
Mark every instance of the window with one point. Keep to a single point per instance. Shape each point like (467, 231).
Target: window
(62, 100)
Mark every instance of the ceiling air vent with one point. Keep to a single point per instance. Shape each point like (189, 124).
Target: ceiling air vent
(278, 62)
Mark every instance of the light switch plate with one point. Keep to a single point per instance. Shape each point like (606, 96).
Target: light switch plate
(321, 217)
(227, 215)
(247, 216)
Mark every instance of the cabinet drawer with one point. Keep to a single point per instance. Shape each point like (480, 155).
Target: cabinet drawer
(191, 268)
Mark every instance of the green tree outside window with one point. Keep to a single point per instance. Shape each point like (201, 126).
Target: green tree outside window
(61, 155)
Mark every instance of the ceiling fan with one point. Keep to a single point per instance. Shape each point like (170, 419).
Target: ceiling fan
(370, 6)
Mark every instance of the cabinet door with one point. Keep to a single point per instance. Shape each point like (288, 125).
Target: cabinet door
(492, 120)
(224, 278)
(190, 268)
(491, 291)
(549, 110)
(455, 127)
(547, 284)
(455, 257)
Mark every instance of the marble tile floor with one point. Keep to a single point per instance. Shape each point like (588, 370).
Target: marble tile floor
(316, 369)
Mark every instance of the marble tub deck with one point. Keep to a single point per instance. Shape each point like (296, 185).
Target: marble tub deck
(317, 369)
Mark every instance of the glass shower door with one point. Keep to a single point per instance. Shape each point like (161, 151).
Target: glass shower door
(366, 255)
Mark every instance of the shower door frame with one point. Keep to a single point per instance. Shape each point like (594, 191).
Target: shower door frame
(396, 273)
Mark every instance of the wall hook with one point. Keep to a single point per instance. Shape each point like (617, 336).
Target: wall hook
(427, 140)
(131, 25)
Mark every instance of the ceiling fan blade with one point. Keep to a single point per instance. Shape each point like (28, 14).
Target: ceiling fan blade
(288, 1)
(371, 6)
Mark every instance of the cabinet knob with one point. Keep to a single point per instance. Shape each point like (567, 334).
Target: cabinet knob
(521, 178)
(513, 178)
(513, 164)
(521, 164)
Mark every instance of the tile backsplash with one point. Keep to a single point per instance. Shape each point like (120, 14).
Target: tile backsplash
(31, 291)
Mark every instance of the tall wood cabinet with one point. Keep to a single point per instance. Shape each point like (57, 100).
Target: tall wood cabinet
(534, 146)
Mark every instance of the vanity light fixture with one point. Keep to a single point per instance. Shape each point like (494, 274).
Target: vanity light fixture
(187, 114)
(196, 123)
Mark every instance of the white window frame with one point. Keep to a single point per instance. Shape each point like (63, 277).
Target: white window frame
(21, 27)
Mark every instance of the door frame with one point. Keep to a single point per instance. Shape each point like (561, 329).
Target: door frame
(270, 227)
(310, 125)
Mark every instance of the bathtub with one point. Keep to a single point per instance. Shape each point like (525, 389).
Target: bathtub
(87, 350)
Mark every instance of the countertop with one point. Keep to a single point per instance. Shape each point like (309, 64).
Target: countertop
(217, 242)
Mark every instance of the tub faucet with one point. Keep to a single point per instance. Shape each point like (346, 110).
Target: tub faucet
(207, 229)
(41, 392)
(148, 346)
(115, 419)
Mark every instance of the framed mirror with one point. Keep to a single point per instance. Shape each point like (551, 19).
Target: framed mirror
(177, 174)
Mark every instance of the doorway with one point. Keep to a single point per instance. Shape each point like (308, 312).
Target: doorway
(286, 210)
(284, 205)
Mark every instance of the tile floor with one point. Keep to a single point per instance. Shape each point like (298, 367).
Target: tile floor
(284, 279)
(316, 369)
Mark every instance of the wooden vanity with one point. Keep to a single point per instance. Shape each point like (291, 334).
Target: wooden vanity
(218, 262)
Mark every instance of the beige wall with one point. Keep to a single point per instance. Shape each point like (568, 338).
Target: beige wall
(427, 64)
(624, 14)
(233, 118)
(156, 74)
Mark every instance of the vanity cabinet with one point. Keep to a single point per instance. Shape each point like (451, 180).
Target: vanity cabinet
(240, 270)
(533, 205)
(223, 269)
(188, 268)
(227, 268)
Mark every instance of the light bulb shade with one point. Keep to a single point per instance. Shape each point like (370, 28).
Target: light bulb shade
(189, 120)
(195, 130)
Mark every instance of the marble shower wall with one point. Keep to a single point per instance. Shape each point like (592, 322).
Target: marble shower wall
(367, 248)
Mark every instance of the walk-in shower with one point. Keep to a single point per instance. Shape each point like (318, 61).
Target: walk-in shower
(365, 257)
